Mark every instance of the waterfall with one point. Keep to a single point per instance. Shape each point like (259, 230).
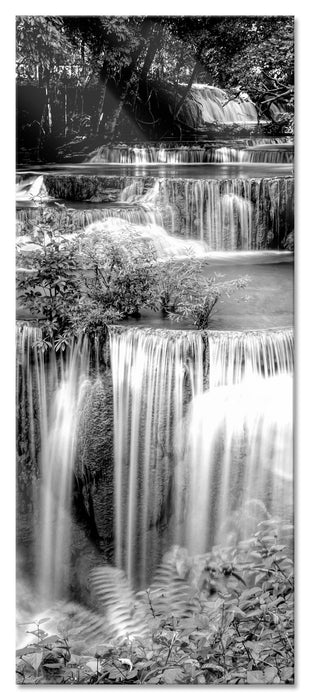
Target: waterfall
(31, 189)
(191, 154)
(192, 465)
(227, 214)
(72, 220)
(154, 374)
(52, 396)
(235, 356)
(207, 104)
(231, 214)
(189, 455)
(238, 460)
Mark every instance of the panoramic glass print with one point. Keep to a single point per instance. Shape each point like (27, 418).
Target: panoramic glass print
(155, 237)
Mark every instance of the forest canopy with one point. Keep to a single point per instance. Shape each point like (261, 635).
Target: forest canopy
(129, 63)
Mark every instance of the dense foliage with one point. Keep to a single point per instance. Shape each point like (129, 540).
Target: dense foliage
(79, 283)
(130, 60)
(225, 617)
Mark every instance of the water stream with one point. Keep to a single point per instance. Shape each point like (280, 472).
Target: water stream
(201, 421)
(185, 456)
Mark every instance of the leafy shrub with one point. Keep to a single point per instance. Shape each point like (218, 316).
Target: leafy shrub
(225, 617)
(50, 286)
(177, 281)
(79, 283)
(118, 280)
(76, 284)
(197, 303)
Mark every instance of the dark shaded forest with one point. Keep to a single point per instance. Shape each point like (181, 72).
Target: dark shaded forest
(95, 80)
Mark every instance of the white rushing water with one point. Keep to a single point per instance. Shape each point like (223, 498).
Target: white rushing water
(238, 456)
(154, 375)
(31, 189)
(227, 214)
(215, 105)
(201, 455)
(191, 464)
(53, 394)
(250, 151)
(235, 356)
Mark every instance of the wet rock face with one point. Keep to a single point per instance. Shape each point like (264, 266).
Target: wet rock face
(83, 187)
(94, 462)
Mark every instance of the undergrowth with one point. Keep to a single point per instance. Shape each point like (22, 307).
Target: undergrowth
(225, 617)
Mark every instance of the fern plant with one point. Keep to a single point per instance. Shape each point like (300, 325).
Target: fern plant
(225, 617)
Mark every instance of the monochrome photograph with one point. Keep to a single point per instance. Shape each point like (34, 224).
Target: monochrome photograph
(154, 350)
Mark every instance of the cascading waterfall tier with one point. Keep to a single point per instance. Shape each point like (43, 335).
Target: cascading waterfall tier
(191, 464)
(180, 154)
(52, 394)
(245, 214)
(227, 214)
(72, 220)
(236, 356)
(175, 459)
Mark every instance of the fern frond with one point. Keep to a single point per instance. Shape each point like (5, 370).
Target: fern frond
(171, 592)
(124, 614)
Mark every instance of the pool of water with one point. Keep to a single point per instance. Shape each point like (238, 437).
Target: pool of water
(186, 170)
(266, 301)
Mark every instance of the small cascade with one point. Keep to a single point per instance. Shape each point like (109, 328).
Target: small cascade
(261, 154)
(178, 154)
(134, 238)
(186, 457)
(72, 220)
(207, 104)
(52, 395)
(31, 189)
(236, 356)
(143, 155)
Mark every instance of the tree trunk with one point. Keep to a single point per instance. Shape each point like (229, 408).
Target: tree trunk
(187, 90)
(49, 120)
(114, 102)
(154, 45)
(99, 115)
(117, 94)
(65, 112)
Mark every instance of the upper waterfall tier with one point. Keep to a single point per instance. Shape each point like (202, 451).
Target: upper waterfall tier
(206, 104)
